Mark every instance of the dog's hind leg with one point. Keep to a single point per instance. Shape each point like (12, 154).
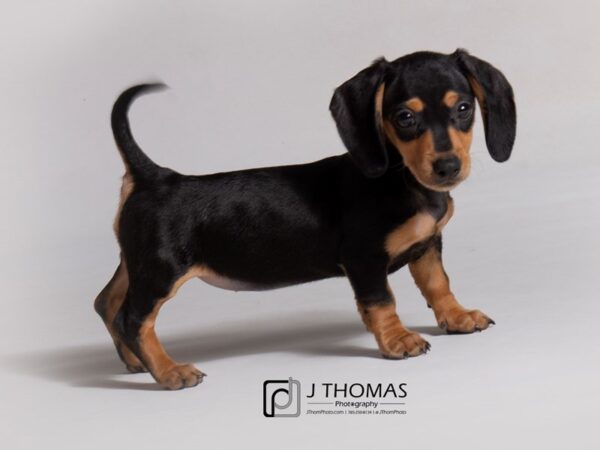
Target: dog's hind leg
(148, 290)
(107, 303)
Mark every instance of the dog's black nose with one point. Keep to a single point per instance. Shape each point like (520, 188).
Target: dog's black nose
(446, 169)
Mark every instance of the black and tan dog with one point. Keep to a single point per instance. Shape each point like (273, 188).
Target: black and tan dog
(407, 126)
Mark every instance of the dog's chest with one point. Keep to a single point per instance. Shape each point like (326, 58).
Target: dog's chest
(419, 228)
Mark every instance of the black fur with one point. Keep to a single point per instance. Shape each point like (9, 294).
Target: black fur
(136, 161)
(277, 226)
(497, 106)
(353, 107)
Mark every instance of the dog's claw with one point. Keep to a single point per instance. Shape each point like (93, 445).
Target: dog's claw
(462, 321)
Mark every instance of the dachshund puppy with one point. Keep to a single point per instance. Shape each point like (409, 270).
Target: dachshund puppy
(407, 127)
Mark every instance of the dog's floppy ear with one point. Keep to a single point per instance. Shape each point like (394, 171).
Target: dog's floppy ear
(495, 97)
(356, 109)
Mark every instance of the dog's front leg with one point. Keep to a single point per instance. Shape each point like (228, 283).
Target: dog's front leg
(429, 275)
(377, 308)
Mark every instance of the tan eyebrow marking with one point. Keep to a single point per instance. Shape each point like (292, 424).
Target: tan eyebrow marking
(415, 103)
(450, 98)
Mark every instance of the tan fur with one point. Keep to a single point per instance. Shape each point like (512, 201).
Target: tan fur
(418, 228)
(419, 154)
(430, 278)
(379, 107)
(461, 144)
(393, 339)
(415, 103)
(450, 99)
(478, 91)
(117, 293)
(428, 273)
(166, 371)
(126, 189)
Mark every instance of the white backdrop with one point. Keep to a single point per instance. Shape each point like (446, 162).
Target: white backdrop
(251, 83)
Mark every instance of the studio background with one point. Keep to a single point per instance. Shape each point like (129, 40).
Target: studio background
(250, 86)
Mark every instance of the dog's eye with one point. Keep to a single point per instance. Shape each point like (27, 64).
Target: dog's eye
(405, 119)
(464, 110)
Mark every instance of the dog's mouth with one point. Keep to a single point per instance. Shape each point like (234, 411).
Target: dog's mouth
(444, 186)
(443, 177)
(432, 182)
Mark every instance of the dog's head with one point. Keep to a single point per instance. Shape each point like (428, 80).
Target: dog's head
(424, 104)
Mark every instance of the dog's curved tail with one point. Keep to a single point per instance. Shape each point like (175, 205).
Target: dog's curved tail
(137, 163)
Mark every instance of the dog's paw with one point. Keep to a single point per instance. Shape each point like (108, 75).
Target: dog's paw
(180, 376)
(460, 321)
(402, 345)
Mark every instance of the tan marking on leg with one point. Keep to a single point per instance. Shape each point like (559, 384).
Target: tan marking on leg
(415, 103)
(450, 98)
(416, 229)
(107, 305)
(364, 314)
(126, 189)
(166, 371)
(117, 292)
(393, 339)
(428, 273)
